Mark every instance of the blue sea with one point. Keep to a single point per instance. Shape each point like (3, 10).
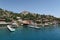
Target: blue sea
(26, 33)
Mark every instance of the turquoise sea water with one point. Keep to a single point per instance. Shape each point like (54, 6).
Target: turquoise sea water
(25, 33)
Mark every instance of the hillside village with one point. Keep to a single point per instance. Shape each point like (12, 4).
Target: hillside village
(25, 17)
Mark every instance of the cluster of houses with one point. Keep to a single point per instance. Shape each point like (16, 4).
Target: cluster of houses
(27, 22)
(40, 22)
(3, 23)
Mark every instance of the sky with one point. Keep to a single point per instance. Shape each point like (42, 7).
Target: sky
(47, 7)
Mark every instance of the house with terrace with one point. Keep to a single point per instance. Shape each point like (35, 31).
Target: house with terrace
(3, 23)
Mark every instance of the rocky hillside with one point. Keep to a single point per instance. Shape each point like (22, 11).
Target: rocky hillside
(25, 15)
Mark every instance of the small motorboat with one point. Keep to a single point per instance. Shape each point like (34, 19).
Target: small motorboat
(9, 27)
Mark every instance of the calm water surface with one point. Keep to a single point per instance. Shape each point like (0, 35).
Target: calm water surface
(25, 33)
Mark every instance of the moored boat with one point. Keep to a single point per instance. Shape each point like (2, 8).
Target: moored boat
(9, 27)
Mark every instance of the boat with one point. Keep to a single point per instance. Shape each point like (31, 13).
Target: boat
(31, 26)
(9, 27)
(37, 27)
(34, 26)
(14, 25)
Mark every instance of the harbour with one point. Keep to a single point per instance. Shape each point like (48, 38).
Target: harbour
(29, 20)
(26, 33)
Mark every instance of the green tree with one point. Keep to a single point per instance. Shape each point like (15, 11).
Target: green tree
(8, 20)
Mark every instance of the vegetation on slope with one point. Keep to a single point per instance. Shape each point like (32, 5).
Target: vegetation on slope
(25, 15)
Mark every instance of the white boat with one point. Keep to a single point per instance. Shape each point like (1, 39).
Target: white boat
(32, 26)
(37, 27)
(9, 27)
(14, 25)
